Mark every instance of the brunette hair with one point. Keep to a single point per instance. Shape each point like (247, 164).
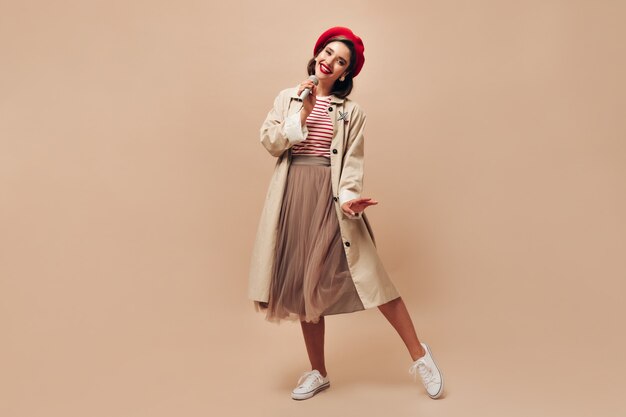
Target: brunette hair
(343, 88)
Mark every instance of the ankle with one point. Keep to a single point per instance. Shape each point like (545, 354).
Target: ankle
(418, 354)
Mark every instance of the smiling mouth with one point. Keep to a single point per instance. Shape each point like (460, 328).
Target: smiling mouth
(325, 69)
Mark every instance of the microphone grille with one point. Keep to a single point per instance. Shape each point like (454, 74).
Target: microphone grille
(314, 79)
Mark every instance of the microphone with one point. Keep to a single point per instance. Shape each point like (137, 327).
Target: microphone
(307, 91)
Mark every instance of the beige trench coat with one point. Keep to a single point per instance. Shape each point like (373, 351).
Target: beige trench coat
(279, 132)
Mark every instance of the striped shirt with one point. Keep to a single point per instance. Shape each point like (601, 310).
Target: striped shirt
(320, 128)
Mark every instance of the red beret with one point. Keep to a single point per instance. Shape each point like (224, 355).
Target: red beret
(343, 31)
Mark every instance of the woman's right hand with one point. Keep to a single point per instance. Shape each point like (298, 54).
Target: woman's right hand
(309, 101)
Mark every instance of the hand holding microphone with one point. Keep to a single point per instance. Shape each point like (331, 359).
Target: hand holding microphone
(307, 87)
(309, 84)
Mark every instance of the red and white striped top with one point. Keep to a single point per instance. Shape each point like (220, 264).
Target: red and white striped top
(320, 128)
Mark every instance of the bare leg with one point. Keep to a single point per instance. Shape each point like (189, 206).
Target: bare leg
(314, 340)
(396, 313)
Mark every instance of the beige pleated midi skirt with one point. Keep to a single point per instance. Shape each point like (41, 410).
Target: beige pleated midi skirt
(310, 275)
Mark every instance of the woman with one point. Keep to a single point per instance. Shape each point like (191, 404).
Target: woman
(314, 253)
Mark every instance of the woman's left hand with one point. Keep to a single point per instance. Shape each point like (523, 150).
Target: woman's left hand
(357, 205)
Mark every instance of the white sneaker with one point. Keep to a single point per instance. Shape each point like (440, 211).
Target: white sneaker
(309, 384)
(430, 374)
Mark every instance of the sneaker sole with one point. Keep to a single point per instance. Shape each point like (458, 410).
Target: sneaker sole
(311, 393)
(438, 394)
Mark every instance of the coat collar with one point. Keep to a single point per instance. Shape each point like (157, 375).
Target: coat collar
(333, 98)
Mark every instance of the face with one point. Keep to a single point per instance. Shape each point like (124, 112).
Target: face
(332, 61)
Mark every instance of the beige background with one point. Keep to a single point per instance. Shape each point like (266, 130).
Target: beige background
(132, 179)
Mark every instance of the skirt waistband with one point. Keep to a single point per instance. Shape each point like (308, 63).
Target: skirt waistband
(310, 160)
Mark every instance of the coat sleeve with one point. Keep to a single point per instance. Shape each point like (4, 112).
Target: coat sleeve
(279, 133)
(351, 180)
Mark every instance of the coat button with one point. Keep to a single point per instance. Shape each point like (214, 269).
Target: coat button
(348, 244)
(334, 150)
(335, 198)
(330, 109)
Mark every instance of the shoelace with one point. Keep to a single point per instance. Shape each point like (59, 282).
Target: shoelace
(425, 372)
(308, 374)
